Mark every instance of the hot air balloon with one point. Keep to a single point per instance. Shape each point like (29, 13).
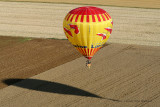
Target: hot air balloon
(87, 28)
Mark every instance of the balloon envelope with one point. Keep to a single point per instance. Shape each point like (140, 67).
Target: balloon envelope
(87, 28)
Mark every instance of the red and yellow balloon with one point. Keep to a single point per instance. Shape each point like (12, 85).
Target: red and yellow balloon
(88, 28)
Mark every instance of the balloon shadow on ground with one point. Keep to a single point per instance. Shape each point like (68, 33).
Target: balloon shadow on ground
(47, 86)
(54, 87)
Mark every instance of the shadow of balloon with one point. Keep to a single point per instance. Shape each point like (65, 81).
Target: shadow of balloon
(47, 86)
(54, 87)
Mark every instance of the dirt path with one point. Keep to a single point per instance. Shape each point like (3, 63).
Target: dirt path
(121, 75)
(123, 3)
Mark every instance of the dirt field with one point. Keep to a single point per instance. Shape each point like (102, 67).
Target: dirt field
(23, 58)
(45, 20)
(123, 3)
(120, 76)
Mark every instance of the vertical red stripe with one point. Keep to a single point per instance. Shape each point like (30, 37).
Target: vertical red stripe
(85, 52)
(82, 17)
(68, 17)
(106, 16)
(99, 19)
(76, 18)
(93, 18)
(91, 51)
(72, 18)
(82, 51)
(103, 17)
(95, 50)
(87, 18)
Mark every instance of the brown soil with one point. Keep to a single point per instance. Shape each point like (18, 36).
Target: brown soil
(23, 58)
(123, 3)
(120, 76)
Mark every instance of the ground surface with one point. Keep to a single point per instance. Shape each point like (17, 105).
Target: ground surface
(123, 3)
(120, 76)
(131, 25)
(23, 58)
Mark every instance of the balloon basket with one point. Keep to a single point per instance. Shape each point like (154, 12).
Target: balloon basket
(88, 63)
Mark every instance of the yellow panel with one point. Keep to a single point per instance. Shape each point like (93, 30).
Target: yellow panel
(87, 37)
(90, 18)
(96, 19)
(101, 17)
(107, 15)
(70, 17)
(74, 18)
(79, 18)
(84, 18)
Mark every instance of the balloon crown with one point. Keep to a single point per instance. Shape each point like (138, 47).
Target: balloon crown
(87, 14)
(87, 10)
